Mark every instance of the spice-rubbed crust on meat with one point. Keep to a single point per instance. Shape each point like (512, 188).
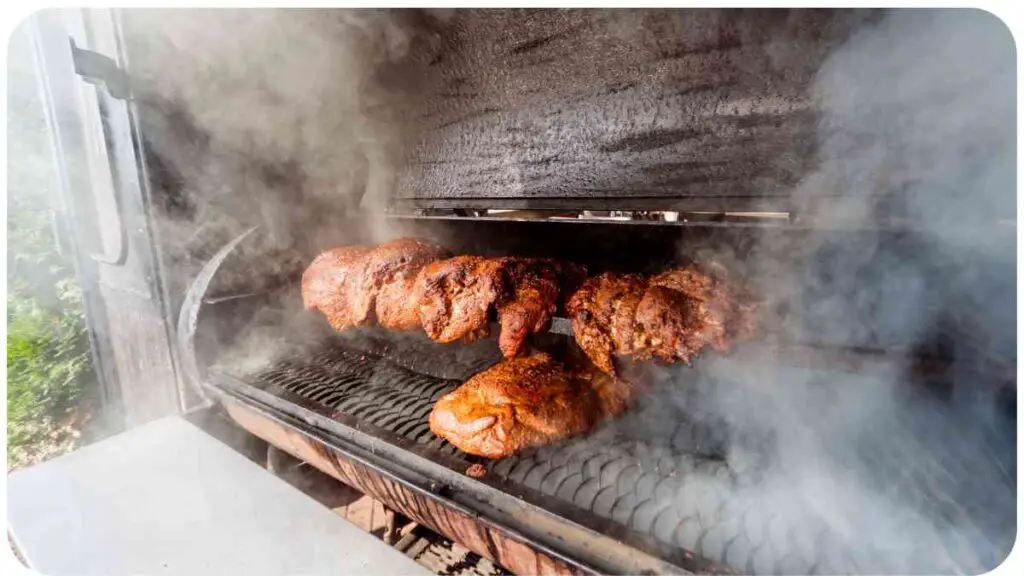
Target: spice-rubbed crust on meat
(671, 316)
(325, 284)
(410, 283)
(524, 402)
(386, 269)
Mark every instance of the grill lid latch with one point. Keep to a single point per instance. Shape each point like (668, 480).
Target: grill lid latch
(102, 71)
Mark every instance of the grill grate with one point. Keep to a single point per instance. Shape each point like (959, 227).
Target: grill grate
(377, 392)
(673, 483)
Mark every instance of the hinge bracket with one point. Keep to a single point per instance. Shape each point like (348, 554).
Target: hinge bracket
(100, 70)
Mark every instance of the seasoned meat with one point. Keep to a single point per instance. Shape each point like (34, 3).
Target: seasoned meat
(457, 295)
(692, 281)
(476, 471)
(346, 283)
(529, 300)
(392, 262)
(671, 316)
(325, 280)
(409, 283)
(398, 302)
(728, 310)
(516, 404)
(673, 326)
(603, 314)
(614, 394)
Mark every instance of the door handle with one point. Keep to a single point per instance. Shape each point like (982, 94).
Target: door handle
(103, 73)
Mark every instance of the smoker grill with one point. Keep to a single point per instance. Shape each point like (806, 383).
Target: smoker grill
(545, 133)
(655, 490)
(354, 410)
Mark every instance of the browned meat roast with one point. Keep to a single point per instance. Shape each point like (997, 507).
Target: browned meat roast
(526, 401)
(457, 296)
(534, 287)
(387, 268)
(348, 282)
(671, 316)
(325, 282)
(603, 311)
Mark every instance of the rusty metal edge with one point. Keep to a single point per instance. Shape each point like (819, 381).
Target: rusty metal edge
(409, 479)
(576, 545)
(499, 547)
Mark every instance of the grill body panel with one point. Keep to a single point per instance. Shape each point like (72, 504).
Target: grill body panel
(496, 545)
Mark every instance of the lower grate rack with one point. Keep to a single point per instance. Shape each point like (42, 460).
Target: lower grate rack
(664, 471)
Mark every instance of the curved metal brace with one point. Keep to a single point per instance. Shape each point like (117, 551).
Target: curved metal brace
(188, 319)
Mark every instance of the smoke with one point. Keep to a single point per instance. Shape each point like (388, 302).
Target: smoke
(868, 472)
(33, 255)
(283, 119)
(289, 120)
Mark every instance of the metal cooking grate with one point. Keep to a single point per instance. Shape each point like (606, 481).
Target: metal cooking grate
(673, 484)
(378, 392)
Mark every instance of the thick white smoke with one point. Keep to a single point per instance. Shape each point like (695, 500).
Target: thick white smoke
(920, 104)
(282, 119)
(276, 118)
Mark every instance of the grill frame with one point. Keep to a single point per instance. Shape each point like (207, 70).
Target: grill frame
(585, 545)
(547, 532)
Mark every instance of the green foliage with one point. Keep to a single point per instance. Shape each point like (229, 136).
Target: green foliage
(48, 372)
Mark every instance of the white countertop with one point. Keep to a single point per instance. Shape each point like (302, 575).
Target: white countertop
(167, 498)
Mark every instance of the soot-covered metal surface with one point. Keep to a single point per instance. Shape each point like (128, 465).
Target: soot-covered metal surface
(640, 105)
(675, 471)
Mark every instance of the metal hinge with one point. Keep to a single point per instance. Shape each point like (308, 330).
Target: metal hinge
(100, 70)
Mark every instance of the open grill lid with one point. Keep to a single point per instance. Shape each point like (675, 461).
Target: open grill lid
(723, 111)
(605, 110)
